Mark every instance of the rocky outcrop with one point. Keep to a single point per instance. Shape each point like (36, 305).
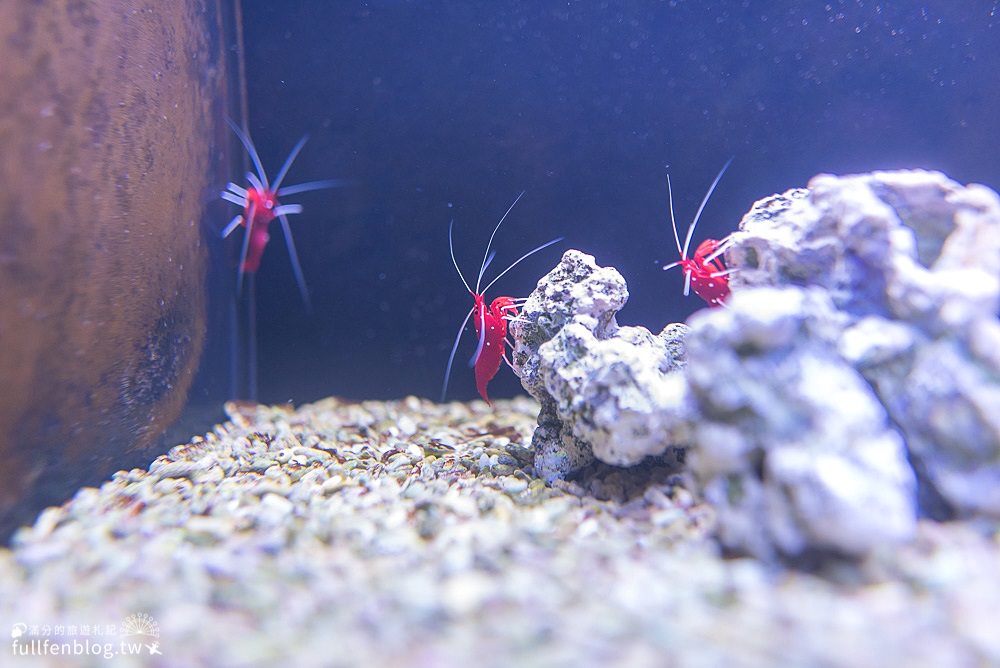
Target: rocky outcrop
(911, 261)
(606, 391)
(856, 356)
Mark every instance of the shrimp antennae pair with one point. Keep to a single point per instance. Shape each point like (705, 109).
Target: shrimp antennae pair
(477, 293)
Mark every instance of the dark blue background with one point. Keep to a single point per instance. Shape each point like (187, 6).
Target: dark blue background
(448, 110)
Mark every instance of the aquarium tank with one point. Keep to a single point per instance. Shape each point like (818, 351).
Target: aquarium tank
(402, 332)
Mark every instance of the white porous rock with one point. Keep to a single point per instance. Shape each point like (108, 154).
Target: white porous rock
(911, 260)
(606, 391)
(614, 393)
(793, 448)
(851, 383)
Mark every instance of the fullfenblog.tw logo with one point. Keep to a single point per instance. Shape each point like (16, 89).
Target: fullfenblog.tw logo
(141, 630)
(136, 635)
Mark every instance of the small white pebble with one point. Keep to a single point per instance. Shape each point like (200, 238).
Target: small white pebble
(406, 425)
(513, 485)
(274, 510)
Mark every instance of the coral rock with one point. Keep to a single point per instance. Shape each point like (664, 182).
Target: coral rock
(792, 448)
(605, 390)
(852, 383)
(912, 262)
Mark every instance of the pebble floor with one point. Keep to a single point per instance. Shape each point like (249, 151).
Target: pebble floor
(413, 534)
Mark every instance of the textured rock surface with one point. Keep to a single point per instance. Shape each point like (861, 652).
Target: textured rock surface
(605, 391)
(911, 260)
(791, 445)
(858, 351)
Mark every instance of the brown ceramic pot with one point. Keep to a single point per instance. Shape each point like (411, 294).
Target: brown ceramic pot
(110, 115)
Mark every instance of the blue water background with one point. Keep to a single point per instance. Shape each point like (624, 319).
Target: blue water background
(441, 111)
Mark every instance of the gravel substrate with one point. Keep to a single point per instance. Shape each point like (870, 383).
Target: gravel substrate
(412, 533)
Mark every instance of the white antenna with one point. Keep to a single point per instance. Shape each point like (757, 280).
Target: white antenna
(489, 243)
(704, 201)
(248, 145)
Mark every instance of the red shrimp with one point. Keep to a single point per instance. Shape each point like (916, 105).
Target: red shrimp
(260, 206)
(490, 321)
(704, 272)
